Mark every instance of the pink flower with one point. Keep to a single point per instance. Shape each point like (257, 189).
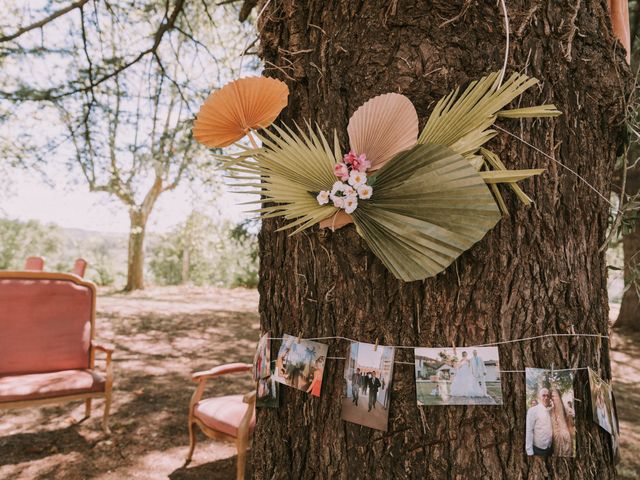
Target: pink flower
(361, 163)
(357, 162)
(341, 171)
(350, 157)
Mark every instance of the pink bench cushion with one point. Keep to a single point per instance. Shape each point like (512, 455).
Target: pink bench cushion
(35, 386)
(223, 413)
(45, 325)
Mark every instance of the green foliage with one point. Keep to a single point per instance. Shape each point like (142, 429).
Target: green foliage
(19, 240)
(105, 254)
(204, 252)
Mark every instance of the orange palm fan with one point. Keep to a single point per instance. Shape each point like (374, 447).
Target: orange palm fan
(245, 104)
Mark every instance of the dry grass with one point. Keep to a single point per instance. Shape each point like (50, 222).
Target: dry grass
(161, 336)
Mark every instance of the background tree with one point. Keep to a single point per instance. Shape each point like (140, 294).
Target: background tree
(117, 108)
(143, 155)
(538, 271)
(207, 251)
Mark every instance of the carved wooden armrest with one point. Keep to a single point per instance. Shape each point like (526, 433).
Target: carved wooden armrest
(244, 427)
(221, 370)
(108, 348)
(202, 377)
(250, 398)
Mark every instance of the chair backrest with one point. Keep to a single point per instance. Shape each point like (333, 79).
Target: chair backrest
(34, 263)
(79, 267)
(46, 322)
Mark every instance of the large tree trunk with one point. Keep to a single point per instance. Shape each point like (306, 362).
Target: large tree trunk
(135, 262)
(539, 271)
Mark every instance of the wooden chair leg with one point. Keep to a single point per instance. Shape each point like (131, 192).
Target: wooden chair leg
(241, 445)
(192, 443)
(87, 408)
(105, 416)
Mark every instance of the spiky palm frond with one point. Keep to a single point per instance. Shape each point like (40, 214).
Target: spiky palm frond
(462, 119)
(288, 171)
(429, 206)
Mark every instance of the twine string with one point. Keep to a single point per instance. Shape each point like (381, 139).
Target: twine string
(491, 344)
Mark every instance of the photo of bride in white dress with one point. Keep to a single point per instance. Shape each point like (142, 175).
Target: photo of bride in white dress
(458, 376)
(466, 382)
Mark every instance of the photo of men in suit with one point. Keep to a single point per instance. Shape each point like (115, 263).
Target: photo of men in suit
(368, 374)
(374, 386)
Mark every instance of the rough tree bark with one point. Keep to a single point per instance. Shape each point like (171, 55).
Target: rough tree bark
(539, 271)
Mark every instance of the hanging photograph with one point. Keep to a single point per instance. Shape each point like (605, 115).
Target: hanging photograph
(550, 426)
(300, 364)
(262, 358)
(601, 407)
(458, 376)
(615, 437)
(267, 393)
(368, 373)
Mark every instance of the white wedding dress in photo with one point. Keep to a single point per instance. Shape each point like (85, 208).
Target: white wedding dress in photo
(464, 384)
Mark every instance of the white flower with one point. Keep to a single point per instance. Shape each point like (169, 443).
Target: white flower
(337, 201)
(323, 197)
(350, 203)
(357, 178)
(365, 191)
(348, 190)
(338, 187)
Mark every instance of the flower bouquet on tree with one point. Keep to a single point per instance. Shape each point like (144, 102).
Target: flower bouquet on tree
(418, 199)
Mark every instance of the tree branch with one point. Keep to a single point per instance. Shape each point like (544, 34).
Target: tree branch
(44, 21)
(49, 95)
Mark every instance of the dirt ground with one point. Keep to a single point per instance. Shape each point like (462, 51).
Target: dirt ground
(162, 335)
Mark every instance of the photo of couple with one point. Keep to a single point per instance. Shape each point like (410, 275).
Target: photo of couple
(368, 373)
(458, 376)
(550, 424)
(300, 364)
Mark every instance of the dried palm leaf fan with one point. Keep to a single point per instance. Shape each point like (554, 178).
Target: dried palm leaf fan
(418, 201)
(237, 108)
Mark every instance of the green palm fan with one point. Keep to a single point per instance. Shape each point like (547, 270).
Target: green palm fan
(429, 206)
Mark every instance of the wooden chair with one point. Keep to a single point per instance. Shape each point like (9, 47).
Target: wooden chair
(230, 417)
(47, 345)
(34, 263)
(79, 267)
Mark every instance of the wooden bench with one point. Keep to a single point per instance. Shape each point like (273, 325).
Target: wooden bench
(47, 346)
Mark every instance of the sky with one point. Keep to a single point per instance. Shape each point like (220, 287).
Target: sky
(369, 356)
(30, 198)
